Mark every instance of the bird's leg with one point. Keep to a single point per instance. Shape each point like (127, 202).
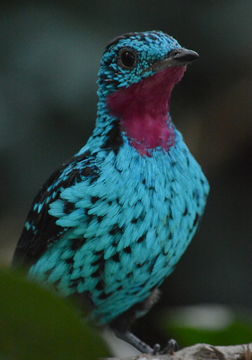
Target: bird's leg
(121, 327)
(133, 340)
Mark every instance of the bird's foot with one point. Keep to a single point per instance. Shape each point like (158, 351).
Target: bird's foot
(170, 348)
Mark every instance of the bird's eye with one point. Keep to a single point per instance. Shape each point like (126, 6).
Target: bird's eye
(127, 58)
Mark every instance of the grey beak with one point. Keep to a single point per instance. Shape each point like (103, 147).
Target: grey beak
(177, 57)
(183, 56)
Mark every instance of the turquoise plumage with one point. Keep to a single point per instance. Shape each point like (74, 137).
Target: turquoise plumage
(110, 225)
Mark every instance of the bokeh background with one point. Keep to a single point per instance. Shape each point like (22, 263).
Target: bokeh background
(49, 59)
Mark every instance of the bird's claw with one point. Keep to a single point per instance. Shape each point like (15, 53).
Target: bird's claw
(171, 347)
(156, 349)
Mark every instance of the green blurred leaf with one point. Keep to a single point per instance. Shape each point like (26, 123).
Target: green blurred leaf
(238, 331)
(36, 324)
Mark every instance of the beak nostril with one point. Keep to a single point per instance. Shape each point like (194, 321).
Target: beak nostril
(174, 52)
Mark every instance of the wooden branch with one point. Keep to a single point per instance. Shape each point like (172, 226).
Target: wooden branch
(201, 352)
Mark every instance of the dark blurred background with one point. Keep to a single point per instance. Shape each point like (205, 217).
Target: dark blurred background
(49, 58)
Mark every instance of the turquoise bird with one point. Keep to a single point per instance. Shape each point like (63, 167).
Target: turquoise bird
(110, 225)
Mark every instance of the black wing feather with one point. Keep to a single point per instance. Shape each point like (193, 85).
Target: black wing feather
(41, 229)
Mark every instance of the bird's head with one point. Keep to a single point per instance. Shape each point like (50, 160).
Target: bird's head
(137, 74)
(133, 57)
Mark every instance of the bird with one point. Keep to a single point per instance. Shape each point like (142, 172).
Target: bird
(110, 224)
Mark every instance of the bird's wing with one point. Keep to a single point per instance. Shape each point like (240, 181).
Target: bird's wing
(41, 229)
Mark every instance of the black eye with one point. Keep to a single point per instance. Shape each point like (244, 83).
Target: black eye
(127, 58)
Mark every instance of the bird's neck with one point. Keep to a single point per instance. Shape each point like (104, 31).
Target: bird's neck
(139, 113)
(143, 110)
